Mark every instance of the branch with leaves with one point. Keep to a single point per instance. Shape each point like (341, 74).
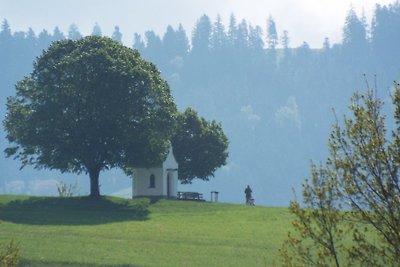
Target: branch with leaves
(361, 174)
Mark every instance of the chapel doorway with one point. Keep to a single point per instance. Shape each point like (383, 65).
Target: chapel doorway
(168, 185)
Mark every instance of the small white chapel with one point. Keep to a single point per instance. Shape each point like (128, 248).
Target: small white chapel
(160, 181)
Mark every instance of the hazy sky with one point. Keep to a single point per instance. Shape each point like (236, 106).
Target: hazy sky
(305, 20)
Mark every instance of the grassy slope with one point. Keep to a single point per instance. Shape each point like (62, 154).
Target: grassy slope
(118, 232)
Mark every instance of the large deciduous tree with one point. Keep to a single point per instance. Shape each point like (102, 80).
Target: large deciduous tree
(361, 174)
(200, 147)
(90, 105)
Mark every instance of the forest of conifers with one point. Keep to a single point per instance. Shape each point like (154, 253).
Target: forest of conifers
(274, 101)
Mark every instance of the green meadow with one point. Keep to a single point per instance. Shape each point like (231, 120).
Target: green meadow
(119, 232)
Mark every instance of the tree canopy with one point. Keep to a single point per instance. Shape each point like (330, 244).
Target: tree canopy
(200, 147)
(90, 105)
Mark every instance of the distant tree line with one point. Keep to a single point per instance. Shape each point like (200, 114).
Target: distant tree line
(239, 45)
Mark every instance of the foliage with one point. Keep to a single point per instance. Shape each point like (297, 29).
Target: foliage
(200, 147)
(10, 255)
(362, 172)
(65, 190)
(318, 228)
(90, 105)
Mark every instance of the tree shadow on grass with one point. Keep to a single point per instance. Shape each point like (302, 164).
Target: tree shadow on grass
(74, 210)
(33, 263)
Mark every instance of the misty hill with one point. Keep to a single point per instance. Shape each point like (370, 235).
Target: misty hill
(274, 101)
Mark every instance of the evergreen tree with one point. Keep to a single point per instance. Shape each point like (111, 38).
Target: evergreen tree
(44, 39)
(354, 33)
(355, 44)
(232, 30)
(242, 60)
(57, 34)
(169, 42)
(201, 35)
(73, 32)
(272, 35)
(96, 30)
(175, 43)
(272, 41)
(138, 43)
(325, 52)
(117, 35)
(303, 55)
(5, 33)
(31, 50)
(153, 41)
(6, 40)
(20, 44)
(257, 72)
(326, 45)
(386, 36)
(153, 47)
(256, 42)
(242, 41)
(285, 60)
(31, 36)
(285, 39)
(182, 41)
(218, 36)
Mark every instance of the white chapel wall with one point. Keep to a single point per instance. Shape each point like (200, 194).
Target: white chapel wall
(141, 185)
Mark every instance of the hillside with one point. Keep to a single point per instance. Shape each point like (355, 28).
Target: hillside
(120, 232)
(274, 103)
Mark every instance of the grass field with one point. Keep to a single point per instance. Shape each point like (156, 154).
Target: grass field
(120, 232)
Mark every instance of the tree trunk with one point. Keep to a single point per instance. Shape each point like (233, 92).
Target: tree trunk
(94, 183)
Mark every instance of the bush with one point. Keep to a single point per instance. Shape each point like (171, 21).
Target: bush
(10, 255)
(65, 190)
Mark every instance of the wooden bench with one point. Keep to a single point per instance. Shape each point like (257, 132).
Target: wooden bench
(190, 196)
